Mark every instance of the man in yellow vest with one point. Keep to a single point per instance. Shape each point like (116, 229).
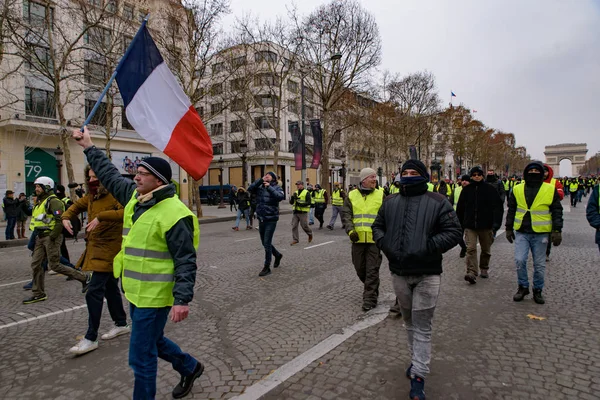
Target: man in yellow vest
(157, 265)
(320, 198)
(534, 216)
(592, 212)
(358, 214)
(300, 201)
(573, 186)
(337, 201)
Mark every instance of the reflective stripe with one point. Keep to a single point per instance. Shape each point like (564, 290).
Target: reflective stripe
(132, 251)
(148, 277)
(533, 212)
(126, 231)
(541, 223)
(521, 210)
(363, 224)
(365, 216)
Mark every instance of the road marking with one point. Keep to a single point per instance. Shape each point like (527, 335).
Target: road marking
(242, 240)
(212, 266)
(66, 310)
(288, 370)
(14, 283)
(320, 244)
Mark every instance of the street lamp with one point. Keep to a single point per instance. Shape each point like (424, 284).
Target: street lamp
(343, 172)
(244, 150)
(58, 153)
(221, 204)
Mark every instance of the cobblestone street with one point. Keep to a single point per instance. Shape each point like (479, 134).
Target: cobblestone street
(250, 331)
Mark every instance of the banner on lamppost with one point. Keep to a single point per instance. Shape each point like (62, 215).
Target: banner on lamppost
(412, 150)
(298, 146)
(317, 132)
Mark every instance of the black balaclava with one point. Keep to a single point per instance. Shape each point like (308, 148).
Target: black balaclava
(534, 179)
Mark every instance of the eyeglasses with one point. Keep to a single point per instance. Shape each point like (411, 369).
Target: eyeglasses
(140, 173)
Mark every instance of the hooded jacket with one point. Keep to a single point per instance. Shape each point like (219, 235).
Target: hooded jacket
(559, 186)
(267, 200)
(498, 185)
(531, 190)
(243, 199)
(414, 228)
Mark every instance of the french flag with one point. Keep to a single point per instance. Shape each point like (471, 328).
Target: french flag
(159, 110)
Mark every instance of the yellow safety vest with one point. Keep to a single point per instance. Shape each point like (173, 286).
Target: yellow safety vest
(541, 218)
(448, 190)
(430, 186)
(300, 204)
(41, 217)
(506, 185)
(394, 189)
(364, 211)
(573, 187)
(457, 192)
(336, 198)
(318, 196)
(145, 263)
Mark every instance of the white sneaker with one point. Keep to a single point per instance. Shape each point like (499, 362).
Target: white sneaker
(52, 272)
(116, 331)
(84, 346)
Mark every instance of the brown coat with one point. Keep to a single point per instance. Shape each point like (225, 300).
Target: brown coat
(104, 241)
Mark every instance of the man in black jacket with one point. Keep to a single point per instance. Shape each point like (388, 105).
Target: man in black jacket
(535, 213)
(413, 229)
(480, 212)
(493, 180)
(11, 211)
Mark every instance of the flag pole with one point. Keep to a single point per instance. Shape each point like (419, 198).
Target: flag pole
(114, 74)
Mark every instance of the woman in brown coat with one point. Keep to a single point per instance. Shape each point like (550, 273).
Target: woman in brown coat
(103, 242)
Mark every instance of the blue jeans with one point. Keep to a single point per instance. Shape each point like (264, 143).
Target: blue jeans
(266, 230)
(579, 195)
(246, 213)
(147, 343)
(11, 223)
(311, 216)
(537, 242)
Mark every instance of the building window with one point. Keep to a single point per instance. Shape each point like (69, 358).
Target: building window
(238, 84)
(239, 125)
(266, 100)
(266, 80)
(308, 93)
(39, 60)
(100, 117)
(125, 124)
(216, 108)
(126, 42)
(292, 86)
(111, 6)
(39, 103)
(236, 146)
(97, 37)
(200, 111)
(238, 105)
(218, 67)
(238, 61)
(265, 55)
(95, 73)
(218, 148)
(309, 111)
(128, 11)
(216, 129)
(293, 106)
(266, 123)
(264, 144)
(35, 13)
(216, 89)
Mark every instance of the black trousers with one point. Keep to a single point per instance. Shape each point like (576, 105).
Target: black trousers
(367, 258)
(103, 284)
(319, 211)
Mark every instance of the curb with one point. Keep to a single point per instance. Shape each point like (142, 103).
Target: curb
(23, 242)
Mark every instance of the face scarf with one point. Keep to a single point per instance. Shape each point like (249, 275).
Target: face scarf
(411, 180)
(93, 186)
(534, 178)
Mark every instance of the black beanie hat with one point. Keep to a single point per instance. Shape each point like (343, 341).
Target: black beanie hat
(159, 167)
(272, 175)
(465, 177)
(417, 166)
(475, 170)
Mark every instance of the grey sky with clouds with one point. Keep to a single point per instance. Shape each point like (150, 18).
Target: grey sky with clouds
(530, 67)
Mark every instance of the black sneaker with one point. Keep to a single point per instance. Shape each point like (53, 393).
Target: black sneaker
(463, 253)
(484, 274)
(367, 307)
(330, 227)
(538, 297)
(277, 260)
(265, 271)
(417, 388)
(521, 293)
(35, 299)
(187, 382)
(84, 285)
(471, 279)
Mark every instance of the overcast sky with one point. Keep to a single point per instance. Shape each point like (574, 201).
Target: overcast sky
(530, 67)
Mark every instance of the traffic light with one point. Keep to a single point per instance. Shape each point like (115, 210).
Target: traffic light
(379, 171)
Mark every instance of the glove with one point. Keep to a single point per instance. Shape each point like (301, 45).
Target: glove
(510, 236)
(354, 236)
(556, 238)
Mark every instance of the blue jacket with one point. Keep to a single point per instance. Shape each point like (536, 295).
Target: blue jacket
(267, 200)
(593, 212)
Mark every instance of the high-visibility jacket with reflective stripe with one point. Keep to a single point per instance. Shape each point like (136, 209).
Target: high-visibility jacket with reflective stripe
(448, 189)
(336, 198)
(364, 211)
(145, 263)
(318, 196)
(573, 186)
(41, 218)
(457, 195)
(541, 218)
(301, 204)
(394, 189)
(430, 186)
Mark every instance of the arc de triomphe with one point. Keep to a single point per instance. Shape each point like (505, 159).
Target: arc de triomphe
(567, 151)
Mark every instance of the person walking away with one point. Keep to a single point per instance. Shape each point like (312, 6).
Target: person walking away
(534, 216)
(444, 189)
(268, 195)
(11, 212)
(592, 212)
(358, 214)
(337, 201)
(549, 178)
(464, 180)
(24, 214)
(232, 199)
(156, 264)
(300, 201)
(103, 242)
(414, 229)
(493, 180)
(480, 210)
(243, 200)
(47, 227)
(320, 198)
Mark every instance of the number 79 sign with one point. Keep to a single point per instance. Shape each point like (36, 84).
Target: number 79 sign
(33, 171)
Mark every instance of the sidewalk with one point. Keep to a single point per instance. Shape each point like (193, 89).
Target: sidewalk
(211, 214)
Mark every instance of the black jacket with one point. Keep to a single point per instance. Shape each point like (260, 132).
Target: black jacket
(592, 211)
(498, 185)
(243, 199)
(11, 207)
(179, 239)
(414, 228)
(530, 192)
(267, 200)
(480, 207)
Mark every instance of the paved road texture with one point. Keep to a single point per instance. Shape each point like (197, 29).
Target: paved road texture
(300, 332)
